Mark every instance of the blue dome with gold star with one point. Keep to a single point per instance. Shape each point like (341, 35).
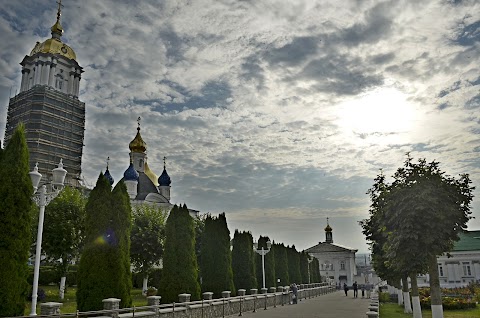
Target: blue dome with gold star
(130, 174)
(164, 179)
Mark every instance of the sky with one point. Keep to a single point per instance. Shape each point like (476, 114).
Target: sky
(278, 113)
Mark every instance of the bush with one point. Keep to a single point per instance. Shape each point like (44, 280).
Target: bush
(384, 297)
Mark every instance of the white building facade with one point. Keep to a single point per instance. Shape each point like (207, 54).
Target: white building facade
(337, 263)
(461, 266)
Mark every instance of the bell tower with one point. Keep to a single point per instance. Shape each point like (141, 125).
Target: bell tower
(49, 107)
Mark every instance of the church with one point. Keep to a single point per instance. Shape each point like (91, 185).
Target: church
(143, 185)
(337, 263)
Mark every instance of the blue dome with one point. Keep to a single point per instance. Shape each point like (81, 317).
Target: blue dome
(108, 176)
(164, 179)
(130, 174)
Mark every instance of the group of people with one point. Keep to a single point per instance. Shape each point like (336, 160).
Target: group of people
(364, 287)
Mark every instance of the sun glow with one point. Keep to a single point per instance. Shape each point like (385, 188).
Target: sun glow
(384, 111)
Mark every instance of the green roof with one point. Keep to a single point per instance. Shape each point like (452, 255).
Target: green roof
(469, 241)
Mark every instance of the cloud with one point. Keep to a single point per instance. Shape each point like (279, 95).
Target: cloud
(279, 113)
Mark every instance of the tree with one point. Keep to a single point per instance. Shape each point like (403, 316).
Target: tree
(243, 261)
(304, 267)
(15, 228)
(180, 269)
(147, 239)
(424, 212)
(293, 257)
(104, 268)
(216, 264)
(281, 263)
(63, 231)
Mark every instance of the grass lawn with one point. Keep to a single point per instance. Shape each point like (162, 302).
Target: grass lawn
(392, 310)
(69, 302)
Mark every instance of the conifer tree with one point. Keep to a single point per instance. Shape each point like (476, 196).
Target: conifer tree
(104, 269)
(122, 216)
(293, 265)
(243, 261)
(281, 264)
(16, 207)
(216, 264)
(304, 267)
(180, 270)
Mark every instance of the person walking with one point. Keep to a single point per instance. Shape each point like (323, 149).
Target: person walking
(345, 288)
(294, 293)
(369, 290)
(355, 290)
(363, 290)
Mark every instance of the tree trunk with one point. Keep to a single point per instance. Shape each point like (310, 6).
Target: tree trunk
(406, 297)
(145, 285)
(417, 310)
(61, 292)
(435, 293)
(398, 288)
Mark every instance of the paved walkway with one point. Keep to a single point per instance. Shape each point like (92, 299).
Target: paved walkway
(334, 305)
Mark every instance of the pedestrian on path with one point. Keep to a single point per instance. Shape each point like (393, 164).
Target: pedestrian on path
(345, 288)
(369, 290)
(355, 290)
(363, 290)
(294, 289)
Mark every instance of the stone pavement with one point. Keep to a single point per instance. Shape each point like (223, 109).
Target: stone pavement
(332, 305)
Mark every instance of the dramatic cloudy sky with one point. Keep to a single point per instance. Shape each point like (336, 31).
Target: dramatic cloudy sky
(279, 113)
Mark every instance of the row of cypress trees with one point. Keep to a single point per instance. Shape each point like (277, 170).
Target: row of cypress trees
(104, 267)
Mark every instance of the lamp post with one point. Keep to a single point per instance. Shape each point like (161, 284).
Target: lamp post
(42, 199)
(309, 261)
(262, 252)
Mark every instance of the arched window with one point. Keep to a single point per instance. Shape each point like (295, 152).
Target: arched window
(342, 265)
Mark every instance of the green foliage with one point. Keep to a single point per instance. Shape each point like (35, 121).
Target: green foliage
(243, 261)
(63, 231)
(415, 218)
(180, 270)
(293, 257)
(104, 269)
(216, 261)
(281, 264)
(147, 237)
(304, 267)
(15, 228)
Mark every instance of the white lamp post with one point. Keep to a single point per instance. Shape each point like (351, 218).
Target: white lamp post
(42, 199)
(262, 252)
(309, 261)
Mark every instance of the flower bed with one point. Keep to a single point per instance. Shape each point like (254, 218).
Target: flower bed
(453, 298)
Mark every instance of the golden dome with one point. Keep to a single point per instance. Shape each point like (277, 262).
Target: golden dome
(137, 144)
(54, 46)
(151, 175)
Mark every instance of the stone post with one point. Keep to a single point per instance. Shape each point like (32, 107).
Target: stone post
(184, 298)
(272, 289)
(112, 304)
(264, 290)
(207, 296)
(154, 301)
(241, 292)
(280, 289)
(253, 291)
(50, 309)
(226, 294)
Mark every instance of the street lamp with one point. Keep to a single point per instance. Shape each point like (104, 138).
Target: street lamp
(42, 199)
(262, 252)
(309, 261)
